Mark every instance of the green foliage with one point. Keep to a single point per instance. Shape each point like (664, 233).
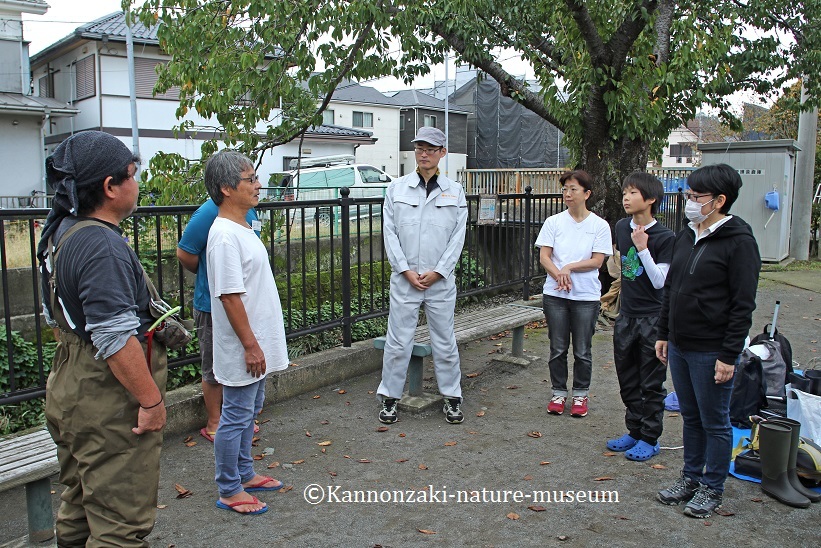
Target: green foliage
(20, 416)
(469, 272)
(616, 76)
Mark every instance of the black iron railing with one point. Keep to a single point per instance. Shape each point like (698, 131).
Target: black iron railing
(327, 257)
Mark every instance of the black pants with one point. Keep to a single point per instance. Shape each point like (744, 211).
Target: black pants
(641, 376)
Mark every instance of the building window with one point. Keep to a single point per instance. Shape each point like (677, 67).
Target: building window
(401, 122)
(45, 85)
(429, 121)
(681, 150)
(145, 72)
(362, 119)
(85, 84)
(328, 116)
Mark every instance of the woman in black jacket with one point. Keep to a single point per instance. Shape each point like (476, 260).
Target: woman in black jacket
(706, 313)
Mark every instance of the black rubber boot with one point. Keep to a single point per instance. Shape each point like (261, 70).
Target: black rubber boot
(791, 473)
(775, 452)
(800, 383)
(814, 377)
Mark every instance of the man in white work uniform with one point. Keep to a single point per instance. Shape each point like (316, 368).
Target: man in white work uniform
(424, 220)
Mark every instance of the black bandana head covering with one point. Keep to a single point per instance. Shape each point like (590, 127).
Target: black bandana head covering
(83, 160)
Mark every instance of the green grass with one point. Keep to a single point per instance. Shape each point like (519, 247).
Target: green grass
(812, 264)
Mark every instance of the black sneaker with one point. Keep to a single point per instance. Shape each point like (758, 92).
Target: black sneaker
(681, 491)
(453, 413)
(387, 414)
(703, 503)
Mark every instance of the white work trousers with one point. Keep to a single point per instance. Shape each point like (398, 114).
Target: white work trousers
(440, 301)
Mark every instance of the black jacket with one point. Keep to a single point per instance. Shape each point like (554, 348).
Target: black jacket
(709, 295)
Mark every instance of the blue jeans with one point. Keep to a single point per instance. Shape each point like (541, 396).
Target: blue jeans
(705, 412)
(232, 444)
(565, 318)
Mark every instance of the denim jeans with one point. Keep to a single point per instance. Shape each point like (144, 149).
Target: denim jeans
(566, 317)
(705, 412)
(232, 444)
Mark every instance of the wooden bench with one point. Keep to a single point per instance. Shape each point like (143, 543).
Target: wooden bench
(30, 460)
(468, 327)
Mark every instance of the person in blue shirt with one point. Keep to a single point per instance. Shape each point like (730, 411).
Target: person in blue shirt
(191, 254)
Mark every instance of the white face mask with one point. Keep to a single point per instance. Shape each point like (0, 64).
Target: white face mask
(693, 211)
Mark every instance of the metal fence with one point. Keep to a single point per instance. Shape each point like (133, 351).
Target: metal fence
(331, 271)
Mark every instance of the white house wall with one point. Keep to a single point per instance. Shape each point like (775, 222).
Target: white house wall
(19, 141)
(384, 154)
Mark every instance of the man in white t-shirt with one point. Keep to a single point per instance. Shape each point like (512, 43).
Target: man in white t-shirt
(248, 329)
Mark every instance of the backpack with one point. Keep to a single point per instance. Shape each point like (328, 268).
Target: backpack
(749, 395)
(784, 348)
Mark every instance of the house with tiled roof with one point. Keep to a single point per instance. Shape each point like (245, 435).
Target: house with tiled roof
(23, 115)
(89, 69)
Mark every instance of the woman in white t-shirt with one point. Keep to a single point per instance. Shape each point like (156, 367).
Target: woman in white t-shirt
(573, 245)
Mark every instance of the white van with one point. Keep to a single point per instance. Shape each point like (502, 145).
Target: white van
(323, 178)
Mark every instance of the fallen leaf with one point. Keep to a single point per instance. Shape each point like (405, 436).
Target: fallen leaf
(512, 387)
(191, 444)
(401, 460)
(537, 508)
(382, 429)
(292, 364)
(187, 439)
(162, 506)
(513, 516)
(527, 477)
(450, 443)
(534, 434)
(332, 473)
(563, 537)
(673, 415)
(363, 461)
(423, 467)
(341, 391)
(426, 531)
(308, 434)
(263, 421)
(659, 467)
(273, 464)
(346, 456)
(322, 450)
(708, 523)
(286, 489)
(324, 422)
(609, 454)
(544, 462)
(723, 512)
(183, 493)
(472, 375)
(625, 518)
(316, 397)
(473, 432)
(757, 500)
(480, 414)
(401, 434)
(325, 443)
(371, 391)
(498, 344)
(259, 457)
(603, 478)
(300, 461)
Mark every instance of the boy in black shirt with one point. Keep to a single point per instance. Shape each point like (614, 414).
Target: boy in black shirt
(646, 250)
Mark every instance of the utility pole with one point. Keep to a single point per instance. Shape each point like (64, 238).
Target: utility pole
(132, 83)
(447, 115)
(804, 176)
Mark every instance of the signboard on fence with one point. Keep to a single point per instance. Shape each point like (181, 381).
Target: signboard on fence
(487, 210)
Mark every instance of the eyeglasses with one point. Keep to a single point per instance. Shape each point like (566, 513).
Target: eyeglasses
(426, 151)
(252, 179)
(572, 190)
(694, 197)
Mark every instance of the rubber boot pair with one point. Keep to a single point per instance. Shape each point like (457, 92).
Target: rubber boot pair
(810, 382)
(778, 448)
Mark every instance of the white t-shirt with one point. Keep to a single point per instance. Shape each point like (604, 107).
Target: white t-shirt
(573, 242)
(238, 263)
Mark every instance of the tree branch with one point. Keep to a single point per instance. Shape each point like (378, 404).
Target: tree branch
(598, 52)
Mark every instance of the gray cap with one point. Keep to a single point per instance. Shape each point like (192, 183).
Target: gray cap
(430, 135)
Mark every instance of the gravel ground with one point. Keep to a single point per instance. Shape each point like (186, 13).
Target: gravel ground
(487, 455)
